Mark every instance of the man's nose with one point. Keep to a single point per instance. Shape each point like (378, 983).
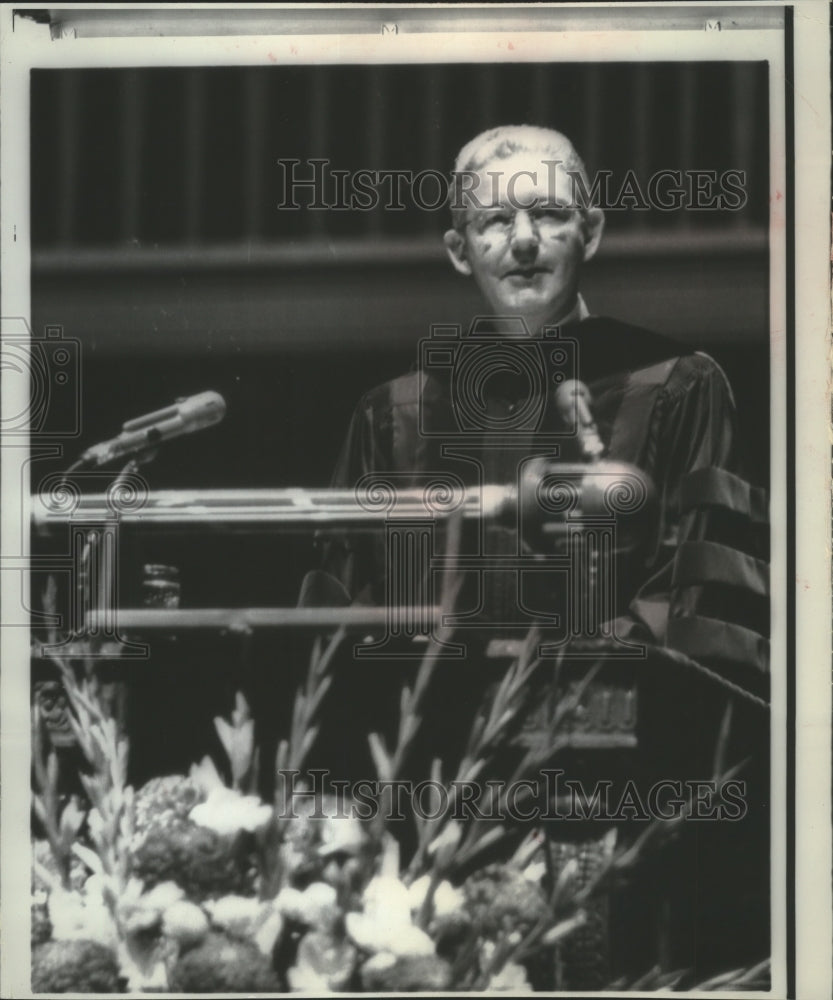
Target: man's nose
(524, 234)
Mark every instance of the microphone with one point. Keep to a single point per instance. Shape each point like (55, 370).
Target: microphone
(572, 401)
(189, 414)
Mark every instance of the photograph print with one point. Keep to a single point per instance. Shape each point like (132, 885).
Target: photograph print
(404, 434)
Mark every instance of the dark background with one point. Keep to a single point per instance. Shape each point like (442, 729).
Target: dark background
(157, 241)
(157, 244)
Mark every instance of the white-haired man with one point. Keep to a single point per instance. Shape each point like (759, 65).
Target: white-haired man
(523, 231)
(518, 229)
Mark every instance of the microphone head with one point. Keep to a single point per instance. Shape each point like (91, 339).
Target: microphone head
(203, 410)
(189, 414)
(572, 401)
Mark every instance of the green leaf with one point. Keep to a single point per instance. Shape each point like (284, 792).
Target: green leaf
(320, 691)
(563, 928)
(40, 809)
(225, 733)
(282, 756)
(310, 736)
(90, 858)
(241, 711)
(52, 769)
(72, 819)
(380, 756)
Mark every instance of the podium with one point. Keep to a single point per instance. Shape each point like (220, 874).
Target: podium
(627, 714)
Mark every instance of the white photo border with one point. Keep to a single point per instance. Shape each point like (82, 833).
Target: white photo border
(799, 260)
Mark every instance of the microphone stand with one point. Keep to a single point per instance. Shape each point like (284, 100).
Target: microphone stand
(107, 582)
(114, 693)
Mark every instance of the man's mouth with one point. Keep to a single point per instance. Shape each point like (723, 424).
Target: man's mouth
(525, 272)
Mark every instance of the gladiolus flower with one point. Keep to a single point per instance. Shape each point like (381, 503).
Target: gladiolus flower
(227, 812)
(511, 979)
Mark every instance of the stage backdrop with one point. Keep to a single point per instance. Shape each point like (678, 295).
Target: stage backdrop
(158, 242)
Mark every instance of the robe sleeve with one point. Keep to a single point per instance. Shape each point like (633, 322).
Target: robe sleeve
(692, 429)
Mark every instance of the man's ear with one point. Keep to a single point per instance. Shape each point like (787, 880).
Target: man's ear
(455, 247)
(593, 228)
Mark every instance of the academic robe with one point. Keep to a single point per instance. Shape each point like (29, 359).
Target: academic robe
(697, 585)
(657, 405)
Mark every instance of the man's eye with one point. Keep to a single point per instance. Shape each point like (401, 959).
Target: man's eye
(555, 214)
(497, 220)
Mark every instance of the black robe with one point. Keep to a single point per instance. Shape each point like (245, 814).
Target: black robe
(698, 586)
(665, 409)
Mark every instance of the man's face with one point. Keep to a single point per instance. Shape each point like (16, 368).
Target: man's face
(524, 242)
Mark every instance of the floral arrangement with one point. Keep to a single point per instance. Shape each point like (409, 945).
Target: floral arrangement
(195, 884)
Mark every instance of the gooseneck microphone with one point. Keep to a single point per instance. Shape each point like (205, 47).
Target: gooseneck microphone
(572, 401)
(192, 413)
